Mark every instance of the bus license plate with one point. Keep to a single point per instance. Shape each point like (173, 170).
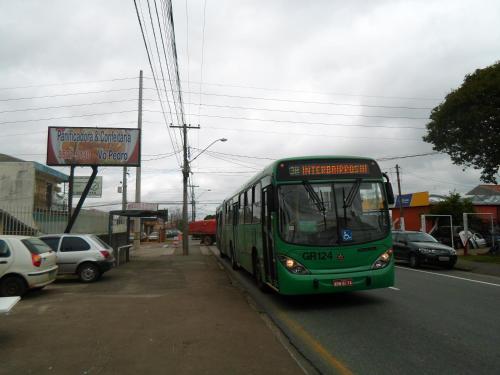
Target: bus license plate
(343, 282)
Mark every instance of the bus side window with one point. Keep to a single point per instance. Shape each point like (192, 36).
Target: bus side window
(248, 207)
(241, 209)
(256, 201)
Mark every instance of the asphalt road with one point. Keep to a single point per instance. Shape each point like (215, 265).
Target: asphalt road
(433, 322)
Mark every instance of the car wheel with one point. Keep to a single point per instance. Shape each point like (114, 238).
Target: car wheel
(450, 266)
(88, 273)
(413, 261)
(13, 286)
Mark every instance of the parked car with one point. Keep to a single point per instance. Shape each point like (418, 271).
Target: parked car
(153, 236)
(85, 255)
(171, 233)
(143, 236)
(421, 248)
(25, 263)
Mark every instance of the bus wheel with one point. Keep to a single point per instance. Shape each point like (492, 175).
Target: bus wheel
(234, 263)
(257, 274)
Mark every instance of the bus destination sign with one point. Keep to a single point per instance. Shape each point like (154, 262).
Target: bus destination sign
(322, 169)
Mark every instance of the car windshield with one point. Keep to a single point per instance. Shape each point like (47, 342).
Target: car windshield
(325, 214)
(420, 237)
(36, 245)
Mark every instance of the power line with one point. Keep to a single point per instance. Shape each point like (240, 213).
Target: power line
(307, 122)
(202, 54)
(314, 135)
(407, 156)
(308, 101)
(242, 156)
(297, 112)
(67, 106)
(316, 92)
(152, 71)
(66, 117)
(67, 94)
(67, 83)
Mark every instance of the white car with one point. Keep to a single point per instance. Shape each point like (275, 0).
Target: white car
(25, 263)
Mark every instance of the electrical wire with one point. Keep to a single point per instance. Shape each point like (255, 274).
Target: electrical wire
(306, 122)
(67, 94)
(152, 71)
(67, 83)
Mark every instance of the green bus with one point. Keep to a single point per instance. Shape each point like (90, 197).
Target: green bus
(311, 225)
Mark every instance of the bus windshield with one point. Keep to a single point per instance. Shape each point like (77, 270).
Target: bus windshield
(339, 213)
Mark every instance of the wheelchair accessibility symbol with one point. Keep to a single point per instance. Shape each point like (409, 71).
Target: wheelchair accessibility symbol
(346, 235)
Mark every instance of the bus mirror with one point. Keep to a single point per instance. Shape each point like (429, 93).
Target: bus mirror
(389, 192)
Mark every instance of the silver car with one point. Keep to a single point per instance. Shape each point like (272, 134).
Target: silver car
(85, 255)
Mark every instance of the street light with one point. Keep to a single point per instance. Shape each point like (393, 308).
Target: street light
(185, 173)
(206, 148)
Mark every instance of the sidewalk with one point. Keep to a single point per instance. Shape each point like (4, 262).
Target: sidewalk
(491, 269)
(162, 313)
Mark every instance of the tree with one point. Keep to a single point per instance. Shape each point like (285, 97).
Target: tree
(453, 205)
(466, 125)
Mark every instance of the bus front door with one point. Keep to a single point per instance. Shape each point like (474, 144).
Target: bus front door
(267, 235)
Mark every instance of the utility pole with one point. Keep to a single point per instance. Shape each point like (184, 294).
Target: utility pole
(401, 217)
(137, 221)
(124, 189)
(185, 177)
(193, 203)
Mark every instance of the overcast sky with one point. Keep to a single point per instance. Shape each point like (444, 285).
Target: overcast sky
(278, 79)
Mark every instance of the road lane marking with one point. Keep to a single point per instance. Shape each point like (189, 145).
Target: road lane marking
(394, 288)
(453, 277)
(314, 344)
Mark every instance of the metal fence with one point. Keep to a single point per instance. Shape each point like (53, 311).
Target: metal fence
(18, 220)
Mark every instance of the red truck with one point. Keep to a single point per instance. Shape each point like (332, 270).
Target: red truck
(203, 229)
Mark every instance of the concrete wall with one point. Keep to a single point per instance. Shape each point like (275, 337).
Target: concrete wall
(17, 190)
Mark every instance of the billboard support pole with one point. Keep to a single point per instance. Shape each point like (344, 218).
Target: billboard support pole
(82, 199)
(70, 191)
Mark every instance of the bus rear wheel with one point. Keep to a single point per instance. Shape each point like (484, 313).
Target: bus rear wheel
(257, 274)
(234, 263)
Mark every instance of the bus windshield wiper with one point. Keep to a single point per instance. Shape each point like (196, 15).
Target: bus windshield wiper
(352, 194)
(318, 201)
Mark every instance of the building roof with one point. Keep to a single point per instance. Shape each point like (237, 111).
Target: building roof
(39, 167)
(4, 158)
(485, 190)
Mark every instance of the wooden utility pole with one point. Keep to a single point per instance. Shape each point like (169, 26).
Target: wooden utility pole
(185, 177)
(401, 213)
(137, 221)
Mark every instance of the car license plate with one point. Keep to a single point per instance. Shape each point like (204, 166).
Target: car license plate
(444, 259)
(342, 282)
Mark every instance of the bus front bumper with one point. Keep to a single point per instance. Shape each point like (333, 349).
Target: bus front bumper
(290, 284)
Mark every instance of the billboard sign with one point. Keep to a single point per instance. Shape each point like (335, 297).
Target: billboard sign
(79, 183)
(413, 200)
(93, 146)
(141, 206)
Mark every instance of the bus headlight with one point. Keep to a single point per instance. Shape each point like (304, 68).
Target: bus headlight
(383, 260)
(292, 265)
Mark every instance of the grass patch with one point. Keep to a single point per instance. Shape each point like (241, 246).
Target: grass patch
(482, 258)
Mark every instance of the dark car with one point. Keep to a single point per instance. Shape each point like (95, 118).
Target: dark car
(421, 248)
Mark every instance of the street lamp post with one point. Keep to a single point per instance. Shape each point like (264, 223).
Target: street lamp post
(185, 173)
